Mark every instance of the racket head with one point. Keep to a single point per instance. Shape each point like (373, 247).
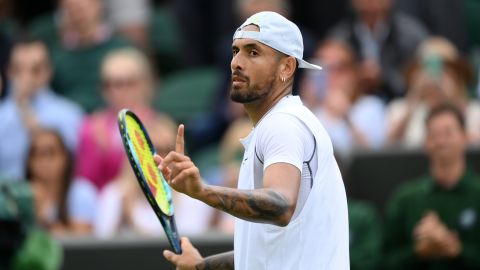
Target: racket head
(140, 152)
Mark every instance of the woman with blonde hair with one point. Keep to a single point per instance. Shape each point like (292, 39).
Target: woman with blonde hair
(128, 82)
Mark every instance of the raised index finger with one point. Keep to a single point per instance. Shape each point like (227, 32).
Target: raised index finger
(180, 142)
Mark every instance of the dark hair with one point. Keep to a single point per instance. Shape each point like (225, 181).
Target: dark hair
(27, 39)
(446, 108)
(63, 214)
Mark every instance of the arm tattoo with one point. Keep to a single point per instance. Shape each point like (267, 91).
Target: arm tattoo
(259, 205)
(222, 261)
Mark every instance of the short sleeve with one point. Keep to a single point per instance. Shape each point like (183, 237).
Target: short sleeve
(82, 201)
(283, 138)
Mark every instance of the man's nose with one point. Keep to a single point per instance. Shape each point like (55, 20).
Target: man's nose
(236, 63)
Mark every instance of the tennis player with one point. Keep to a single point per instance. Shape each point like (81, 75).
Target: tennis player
(290, 205)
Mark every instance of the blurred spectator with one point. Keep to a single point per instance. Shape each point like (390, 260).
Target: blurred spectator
(318, 16)
(131, 19)
(166, 40)
(384, 40)
(31, 103)
(432, 14)
(352, 117)
(127, 83)
(437, 75)
(16, 15)
(23, 246)
(123, 208)
(365, 236)
(433, 222)
(78, 39)
(63, 205)
(203, 24)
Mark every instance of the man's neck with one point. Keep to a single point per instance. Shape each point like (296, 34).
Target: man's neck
(448, 174)
(256, 110)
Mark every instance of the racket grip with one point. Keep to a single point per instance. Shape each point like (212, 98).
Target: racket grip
(176, 246)
(174, 237)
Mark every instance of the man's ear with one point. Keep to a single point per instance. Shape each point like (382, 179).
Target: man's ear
(287, 67)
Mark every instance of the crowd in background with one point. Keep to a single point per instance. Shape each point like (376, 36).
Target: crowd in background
(396, 74)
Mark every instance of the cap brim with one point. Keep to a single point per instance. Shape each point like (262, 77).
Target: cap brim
(304, 64)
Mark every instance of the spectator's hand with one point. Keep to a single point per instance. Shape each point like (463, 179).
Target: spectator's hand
(189, 258)
(370, 75)
(179, 171)
(434, 239)
(452, 246)
(337, 102)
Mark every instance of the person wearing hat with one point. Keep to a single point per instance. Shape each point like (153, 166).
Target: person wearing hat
(290, 205)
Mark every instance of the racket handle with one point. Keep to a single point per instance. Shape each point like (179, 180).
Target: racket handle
(173, 236)
(176, 246)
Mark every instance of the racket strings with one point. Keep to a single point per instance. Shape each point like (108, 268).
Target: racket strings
(147, 165)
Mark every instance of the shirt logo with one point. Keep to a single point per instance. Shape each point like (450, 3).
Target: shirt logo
(468, 217)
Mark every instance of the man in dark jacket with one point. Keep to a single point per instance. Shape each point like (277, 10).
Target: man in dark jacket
(384, 40)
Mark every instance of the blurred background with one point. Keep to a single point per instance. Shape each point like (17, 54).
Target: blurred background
(399, 97)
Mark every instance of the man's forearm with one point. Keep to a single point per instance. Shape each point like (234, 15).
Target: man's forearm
(222, 261)
(259, 205)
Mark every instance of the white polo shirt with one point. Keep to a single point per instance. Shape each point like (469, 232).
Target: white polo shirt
(317, 235)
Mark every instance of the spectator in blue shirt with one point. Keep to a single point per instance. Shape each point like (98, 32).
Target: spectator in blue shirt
(30, 103)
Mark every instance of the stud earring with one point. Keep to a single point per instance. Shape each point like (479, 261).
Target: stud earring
(283, 79)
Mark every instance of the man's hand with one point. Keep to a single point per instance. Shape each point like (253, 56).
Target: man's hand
(434, 239)
(188, 260)
(179, 171)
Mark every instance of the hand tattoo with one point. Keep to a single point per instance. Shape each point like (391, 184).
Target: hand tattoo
(222, 261)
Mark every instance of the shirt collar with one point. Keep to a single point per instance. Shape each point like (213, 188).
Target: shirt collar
(460, 186)
(285, 101)
(289, 99)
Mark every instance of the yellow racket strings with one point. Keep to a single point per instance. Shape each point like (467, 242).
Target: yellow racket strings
(147, 164)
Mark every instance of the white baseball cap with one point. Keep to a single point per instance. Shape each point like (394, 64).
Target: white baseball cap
(278, 33)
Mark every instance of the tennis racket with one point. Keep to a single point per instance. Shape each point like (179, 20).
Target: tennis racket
(140, 151)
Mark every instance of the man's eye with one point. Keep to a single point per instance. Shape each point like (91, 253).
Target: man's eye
(234, 52)
(253, 53)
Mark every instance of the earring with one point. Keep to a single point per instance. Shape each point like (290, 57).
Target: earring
(283, 79)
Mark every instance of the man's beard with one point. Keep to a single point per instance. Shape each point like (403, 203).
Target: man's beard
(250, 93)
